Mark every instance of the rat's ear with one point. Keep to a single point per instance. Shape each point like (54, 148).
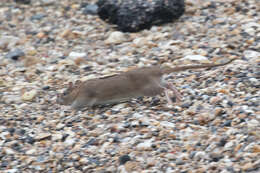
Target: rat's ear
(78, 82)
(70, 84)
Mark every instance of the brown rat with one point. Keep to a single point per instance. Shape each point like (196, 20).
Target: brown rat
(146, 81)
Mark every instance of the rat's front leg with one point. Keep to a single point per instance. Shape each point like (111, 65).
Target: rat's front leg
(175, 91)
(169, 100)
(81, 102)
(167, 85)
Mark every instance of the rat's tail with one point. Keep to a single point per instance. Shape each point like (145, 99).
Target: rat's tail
(167, 70)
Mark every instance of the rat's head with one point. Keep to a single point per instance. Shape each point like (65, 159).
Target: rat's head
(69, 95)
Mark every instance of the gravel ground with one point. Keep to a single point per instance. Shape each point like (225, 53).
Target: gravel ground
(49, 43)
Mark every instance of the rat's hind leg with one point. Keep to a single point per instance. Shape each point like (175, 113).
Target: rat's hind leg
(169, 100)
(176, 92)
(81, 103)
(170, 86)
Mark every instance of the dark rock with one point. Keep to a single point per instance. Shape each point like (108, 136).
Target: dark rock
(29, 140)
(222, 142)
(23, 1)
(135, 15)
(216, 156)
(179, 161)
(227, 123)
(123, 159)
(155, 101)
(46, 87)
(11, 130)
(64, 136)
(94, 161)
(16, 146)
(21, 132)
(186, 104)
(15, 54)
(38, 16)
(90, 9)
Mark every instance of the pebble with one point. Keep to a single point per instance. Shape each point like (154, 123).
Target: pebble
(31, 151)
(8, 150)
(123, 159)
(29, 95)
(131, 166)
(38, 16)
(140, 41)
(70, 141)
(195, 58)
(167, 124)
(115, 37)
(15, 54)
(251, 54)
(42, 136)
(253, 123)
(47, 2)
(146, 145)
(75, 55)
(8, 41)
(90, 9)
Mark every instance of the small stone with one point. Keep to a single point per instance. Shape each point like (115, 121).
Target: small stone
(131, 166)
(140, 41)
(29, 140)
(227, 123)
(215, 100)
(256, 149)
(115, 37)
(46, 87)
(167, 124)
(8, 42)
(41, 35)
(38, 16)
(75, 55)
(67, 33)
(47, 2)
(195, 58)
(31, 52)
(12, 170)
(23, 1)
(70, 141)
(83, 160)
(216, 156)
(15, 54)
(56, 137)
(42, 136)
(40, 118)
(251, 54)
(8, 150)
(75, 6)
(200, 155)
(247, 166)
(29, 96)
(170, 156)
(31, 151)
(2, 83)
(60, 126)
(90, 9)
(229, 145)
(123, 159)
(147, 145)
(150, 162)
(253, 123)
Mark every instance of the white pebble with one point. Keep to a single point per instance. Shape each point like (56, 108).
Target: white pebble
(115, 38)
(196, 58)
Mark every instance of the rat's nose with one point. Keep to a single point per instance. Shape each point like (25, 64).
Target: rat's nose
(58, 99)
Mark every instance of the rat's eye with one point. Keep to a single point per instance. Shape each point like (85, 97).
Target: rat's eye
(65, 93)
